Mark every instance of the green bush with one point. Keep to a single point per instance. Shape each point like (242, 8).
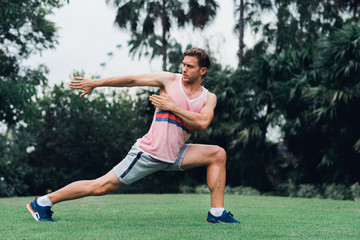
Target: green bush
(13, 164)
(186, 189)
(200, 189)
(337, 192)
(288, 188)
(308, 191)
(355, 191)
(228, 189)
(241, 190)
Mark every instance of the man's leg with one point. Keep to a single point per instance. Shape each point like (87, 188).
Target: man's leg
(40, 208)
(214, 158)
(97, 187)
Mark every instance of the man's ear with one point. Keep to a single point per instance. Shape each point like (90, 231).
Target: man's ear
(203, 70)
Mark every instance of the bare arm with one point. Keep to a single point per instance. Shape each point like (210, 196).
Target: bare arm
(160, 79)
(197, 120)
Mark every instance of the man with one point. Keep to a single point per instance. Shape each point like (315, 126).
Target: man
(182, 106)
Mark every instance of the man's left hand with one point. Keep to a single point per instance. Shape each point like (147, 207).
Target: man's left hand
(163, 101)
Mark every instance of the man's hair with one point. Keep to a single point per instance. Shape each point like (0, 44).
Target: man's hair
(200, 54)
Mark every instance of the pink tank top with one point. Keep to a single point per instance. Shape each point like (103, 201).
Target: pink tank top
(168, 133)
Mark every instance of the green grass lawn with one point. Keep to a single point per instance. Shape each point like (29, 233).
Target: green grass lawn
(182, 216)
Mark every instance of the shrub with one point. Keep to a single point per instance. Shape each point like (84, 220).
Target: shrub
(308, 191)
(200, 189)
(355, 191)
(186, 189)
(228, 190)
(240, 190)
(337, 192)
(288, 188)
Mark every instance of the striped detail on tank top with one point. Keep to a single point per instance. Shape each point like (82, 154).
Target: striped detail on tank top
(166, 116)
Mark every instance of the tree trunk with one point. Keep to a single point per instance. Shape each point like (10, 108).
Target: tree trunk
(163, 38)
(355, 11)
(241, 34)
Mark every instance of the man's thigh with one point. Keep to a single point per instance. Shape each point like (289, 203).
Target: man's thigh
(199, 155)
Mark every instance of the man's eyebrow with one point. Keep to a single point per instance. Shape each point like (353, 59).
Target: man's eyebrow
(189, 64)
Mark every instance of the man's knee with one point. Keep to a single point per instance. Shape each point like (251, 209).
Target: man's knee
(220, 155)
(103, 190)
(94, 187)
(99, 187)
(105, 184)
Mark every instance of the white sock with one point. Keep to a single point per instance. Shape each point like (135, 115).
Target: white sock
(44, 201)
(217, 212)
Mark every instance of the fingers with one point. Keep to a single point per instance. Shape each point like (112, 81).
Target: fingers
(75, 83)
(153, 98)
(79, 85)
(157, 97)
(75, 86)
(84, 93)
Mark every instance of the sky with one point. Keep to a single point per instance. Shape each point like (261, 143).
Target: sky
(86, 34)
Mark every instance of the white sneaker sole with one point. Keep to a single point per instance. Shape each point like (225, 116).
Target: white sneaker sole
(33, 213)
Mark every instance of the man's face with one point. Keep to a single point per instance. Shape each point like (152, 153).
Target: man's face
(191, 70)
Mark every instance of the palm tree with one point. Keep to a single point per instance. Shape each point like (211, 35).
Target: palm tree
(325, 130)
(250, 8)
(141, 17)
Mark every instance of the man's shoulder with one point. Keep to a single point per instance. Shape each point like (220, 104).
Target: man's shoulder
(166, 75)
(211, 95)
(211, 99)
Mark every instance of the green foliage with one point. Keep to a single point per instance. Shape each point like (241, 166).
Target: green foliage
(79, 138)
(355, 190)
(300, 23)
(201, 189)
(337, 192)
(308, 191)
(186, 189)
(241, 190)
(325, 133)
(141, 17)
(13, 167)
(24, 29)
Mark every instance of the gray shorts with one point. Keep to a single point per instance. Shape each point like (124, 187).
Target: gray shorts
(138, 164)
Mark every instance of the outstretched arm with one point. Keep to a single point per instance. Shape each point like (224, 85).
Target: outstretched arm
(197, 120)
(160, 79)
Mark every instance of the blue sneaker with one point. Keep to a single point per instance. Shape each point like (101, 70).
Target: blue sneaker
(38, 212)
(226, 217)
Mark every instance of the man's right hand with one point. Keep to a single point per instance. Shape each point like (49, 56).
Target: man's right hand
(85, 84)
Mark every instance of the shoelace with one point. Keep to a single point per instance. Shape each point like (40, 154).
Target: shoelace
(49, 214)
(230, 214)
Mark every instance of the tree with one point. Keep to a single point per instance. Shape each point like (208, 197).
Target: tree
(299, 23)
(330, 97)
(247, 11)
(241, 32)
(79, 137)
(141, 17)
(24, 29)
